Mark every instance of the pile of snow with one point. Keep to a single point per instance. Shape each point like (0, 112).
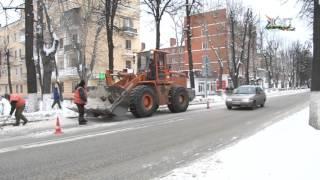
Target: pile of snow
(287, 150)
(5, 106)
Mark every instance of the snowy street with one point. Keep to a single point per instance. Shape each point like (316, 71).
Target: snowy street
(127, 148)
(287, 150)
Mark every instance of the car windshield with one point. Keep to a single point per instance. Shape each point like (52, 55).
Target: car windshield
(245, 90)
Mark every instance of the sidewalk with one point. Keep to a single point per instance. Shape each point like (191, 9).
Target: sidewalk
(289, 149)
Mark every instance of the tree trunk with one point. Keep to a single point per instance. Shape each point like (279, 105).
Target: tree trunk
(47, 74)
(9, 71)
(234, 74)
(189, 46)
(157, 33)
(110, 50)
(30, 65)
(248, 55)
(314, 117)
(39, 41)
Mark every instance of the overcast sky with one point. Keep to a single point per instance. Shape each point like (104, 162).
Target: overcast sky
(272, 8)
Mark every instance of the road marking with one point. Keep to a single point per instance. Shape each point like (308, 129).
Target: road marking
(80, 137)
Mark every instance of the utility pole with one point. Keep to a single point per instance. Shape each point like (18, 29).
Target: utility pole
(314, 119)
(30, 65)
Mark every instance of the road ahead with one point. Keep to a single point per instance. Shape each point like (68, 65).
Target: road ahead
(142, 148)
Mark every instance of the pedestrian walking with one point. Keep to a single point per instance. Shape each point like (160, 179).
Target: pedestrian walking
(80, 99)
(17, 103)
(56, 98)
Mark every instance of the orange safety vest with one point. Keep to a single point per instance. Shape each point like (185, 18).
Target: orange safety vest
(76, 98)
(20, 101)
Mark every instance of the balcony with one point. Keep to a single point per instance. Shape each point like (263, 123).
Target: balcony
(129, 31)
(128, 53)
(68, 72)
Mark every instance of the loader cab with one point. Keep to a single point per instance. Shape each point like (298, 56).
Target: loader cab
(154, 64)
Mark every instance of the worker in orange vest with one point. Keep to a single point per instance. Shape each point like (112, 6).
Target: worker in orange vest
(17, 103)
(80, 99)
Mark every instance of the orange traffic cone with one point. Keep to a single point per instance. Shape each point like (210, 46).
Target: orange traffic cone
(58, 128)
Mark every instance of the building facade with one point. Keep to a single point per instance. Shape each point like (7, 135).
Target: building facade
(75, 41)
(210, 40)
(12, 49)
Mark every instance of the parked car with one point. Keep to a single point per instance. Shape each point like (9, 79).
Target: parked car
(246, 96)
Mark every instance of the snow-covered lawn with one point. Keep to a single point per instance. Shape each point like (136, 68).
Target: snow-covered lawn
(289, 149)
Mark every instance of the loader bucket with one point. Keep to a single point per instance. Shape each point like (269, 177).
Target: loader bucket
(99, 105)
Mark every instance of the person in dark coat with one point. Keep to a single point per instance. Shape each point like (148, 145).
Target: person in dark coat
(17, 103)
(56, 97)
(80, 99)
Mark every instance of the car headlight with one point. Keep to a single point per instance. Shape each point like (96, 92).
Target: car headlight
(246, 100)
(229, 99)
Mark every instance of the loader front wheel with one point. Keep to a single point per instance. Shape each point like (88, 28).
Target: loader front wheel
(142, 101)
(178, 99)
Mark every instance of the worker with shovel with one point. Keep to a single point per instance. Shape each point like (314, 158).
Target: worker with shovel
(17, 103)
(80, 99)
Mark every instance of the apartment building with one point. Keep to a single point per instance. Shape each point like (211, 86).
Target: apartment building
(126, 41)
(67, 23)
(12, 40)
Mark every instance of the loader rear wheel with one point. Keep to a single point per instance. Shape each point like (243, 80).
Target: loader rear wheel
(178, 99)
(142, 101)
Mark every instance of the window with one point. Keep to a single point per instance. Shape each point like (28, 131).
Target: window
(75, 38)
(6, 89)
(21, 88)
(128, 64)
(61, 43)
(20, 55)
(17, 88)
(127, 22)
(128, 44)
(16, 71)
(201, 87)
(204, 30)
(205, 44)
(15, 54)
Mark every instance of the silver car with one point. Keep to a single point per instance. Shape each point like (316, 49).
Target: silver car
(247, 96)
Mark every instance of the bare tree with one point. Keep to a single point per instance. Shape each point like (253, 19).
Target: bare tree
(6, 51)
(110, 13)
(157, 8)
(47, 49)
(189, 7)
(178, 21)
(92, 17)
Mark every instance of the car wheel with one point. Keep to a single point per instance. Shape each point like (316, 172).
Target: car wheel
(262, 105)
(229, 107)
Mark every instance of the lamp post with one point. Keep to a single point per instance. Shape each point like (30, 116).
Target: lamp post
(314, 119)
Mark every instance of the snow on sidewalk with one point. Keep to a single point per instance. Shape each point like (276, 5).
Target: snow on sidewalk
(289, 149)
